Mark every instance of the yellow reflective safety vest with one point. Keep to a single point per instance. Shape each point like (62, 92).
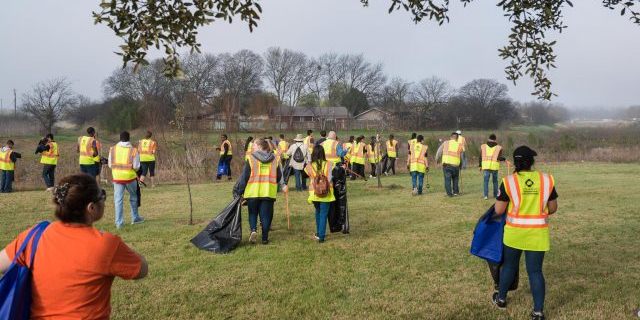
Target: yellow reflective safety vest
(96, 159)
(527, 225)
(411, 142)
(307, 142)
(357, 154)
(490, 157)
(249, 151)
(463, 143)
(147, 149)
(418, 158)
(330, 147)
(263, 181)
(5, 160)
(311, 169)
(122, 163)
(347, 146)
(373, 153)
(283, 147)
(451, 150)
(391, 148)
(50, 156)
(85, 145)
(229, 151)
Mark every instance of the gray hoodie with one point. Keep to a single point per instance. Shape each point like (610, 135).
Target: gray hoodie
(262, 156)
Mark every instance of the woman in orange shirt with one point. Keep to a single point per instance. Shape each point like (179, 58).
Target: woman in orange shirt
(75, 263)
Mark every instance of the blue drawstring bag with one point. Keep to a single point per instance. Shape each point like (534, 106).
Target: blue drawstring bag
(487, 237)
(15, 284)
(223, 168)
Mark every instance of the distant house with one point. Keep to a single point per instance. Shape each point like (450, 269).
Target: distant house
(373, 118)
(302, 118)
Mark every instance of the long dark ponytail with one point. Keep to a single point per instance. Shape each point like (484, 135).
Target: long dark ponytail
(317, 157)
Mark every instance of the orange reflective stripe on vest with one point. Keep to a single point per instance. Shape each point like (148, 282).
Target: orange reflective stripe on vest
(514, 216)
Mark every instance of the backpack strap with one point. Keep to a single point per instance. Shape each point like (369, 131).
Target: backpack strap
(37, 231)
(36, 239)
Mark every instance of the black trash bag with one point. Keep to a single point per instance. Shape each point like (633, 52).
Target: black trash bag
(495, 268)
(339, 211)
(224, 232)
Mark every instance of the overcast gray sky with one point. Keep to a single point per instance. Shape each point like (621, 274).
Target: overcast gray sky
(598, 63)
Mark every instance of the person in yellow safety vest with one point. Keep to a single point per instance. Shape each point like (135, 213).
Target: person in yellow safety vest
(48, 149)
(332, 148)
(283, 147)
(308, 140)
(418, 165)
(358, 159)
(258, 184)
(347, 147)
(392, 155)
(124, 161)
(410, 142)
(490, 157)
(225, 151)
(248, 148)
(88, 151)
(8, 159)
(528, 197)
(147, 148)
(463, 156)
(320, 165)
(373, 155)
(450, 151)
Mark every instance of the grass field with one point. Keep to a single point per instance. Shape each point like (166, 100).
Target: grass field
(406, 257)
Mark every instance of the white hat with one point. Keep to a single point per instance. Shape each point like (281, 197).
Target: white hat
(298, 138)
(459, 131)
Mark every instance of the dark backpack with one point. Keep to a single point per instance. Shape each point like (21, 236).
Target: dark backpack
(320, 184)
(298, 156)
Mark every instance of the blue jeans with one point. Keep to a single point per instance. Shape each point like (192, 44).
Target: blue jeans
(49, 175)
(494, 174)
(416, 180)
(533, 261)
(90, 169)
(451, 176)
(300, 183)
(264, 208)
(118, 199)
(6, 181)
(322, 212)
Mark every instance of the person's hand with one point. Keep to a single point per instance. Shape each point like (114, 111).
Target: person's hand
(218, 149)
(285, 189)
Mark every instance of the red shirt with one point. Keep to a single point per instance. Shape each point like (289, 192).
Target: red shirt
(73, 271)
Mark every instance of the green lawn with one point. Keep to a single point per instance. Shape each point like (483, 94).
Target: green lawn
(406, 257)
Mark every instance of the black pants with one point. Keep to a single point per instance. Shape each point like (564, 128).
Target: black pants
(373, 169)
(49, 175)
(358, 170)
(391, 165)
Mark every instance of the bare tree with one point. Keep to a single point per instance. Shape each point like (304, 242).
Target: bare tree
(429, 94)
(199, 78)
(362, 75)
(147, 81)
(483, 92)
(282, 67)
(49, 101)
(395, 95)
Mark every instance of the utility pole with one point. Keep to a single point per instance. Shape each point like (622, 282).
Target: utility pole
(15, 104)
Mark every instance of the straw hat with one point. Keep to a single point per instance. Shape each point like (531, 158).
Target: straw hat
(298, 138)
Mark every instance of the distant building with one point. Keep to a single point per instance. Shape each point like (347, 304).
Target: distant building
(373, 118)
(302, 118)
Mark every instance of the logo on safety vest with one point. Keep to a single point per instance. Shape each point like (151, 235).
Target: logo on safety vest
(529, 183)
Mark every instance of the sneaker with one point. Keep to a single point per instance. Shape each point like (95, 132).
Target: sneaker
(253, 236)
(455, 194)
(315, 236)
(138, 220)
(118, 226)
(486, 198)
(386, 174)
(501, 304)
(370, 177)
(49, 189)
(414, 191)
(265, 241)
(537, 315)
